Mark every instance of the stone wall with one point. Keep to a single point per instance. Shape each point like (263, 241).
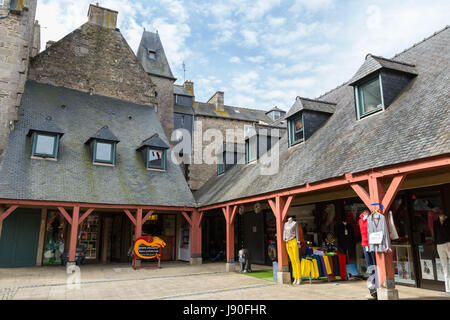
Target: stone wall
(164, 99)
(16, 39)
(198, 174)
(98, 59)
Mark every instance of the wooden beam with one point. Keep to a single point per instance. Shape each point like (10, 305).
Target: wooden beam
(148, 215)
(128, 213)
(225, 211)
(85, 215)
(233, 213)
(186, 216)
(362, 194)
(8, 212)
(392, 191)
(272, 206)
(200, 218)
(286, 207)
(66, 215)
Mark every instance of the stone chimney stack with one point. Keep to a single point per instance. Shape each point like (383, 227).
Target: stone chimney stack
(189, 86)
(103, 17)
(218, 100)
(36, 39)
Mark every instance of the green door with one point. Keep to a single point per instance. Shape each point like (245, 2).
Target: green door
(19, 238)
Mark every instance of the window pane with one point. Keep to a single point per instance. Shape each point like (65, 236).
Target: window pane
(104, 151)
(252, 149)
(370, 96)
(45, 144)
(155, 158)
(297, 130)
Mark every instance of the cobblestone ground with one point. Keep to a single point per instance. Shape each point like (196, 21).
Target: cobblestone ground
(174, 280)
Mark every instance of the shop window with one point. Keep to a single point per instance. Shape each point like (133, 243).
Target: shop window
(369, 98)
(156, 158)
(296, 132)
(45, 145)
(104, 152)
(55, 238)
(251, 148)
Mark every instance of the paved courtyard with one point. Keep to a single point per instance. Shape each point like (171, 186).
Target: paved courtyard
(176, 280)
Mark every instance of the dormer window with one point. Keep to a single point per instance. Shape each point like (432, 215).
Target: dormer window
(103, 147)
(378, 82)
(369, 98)
(153, 151)
(45, 145)
(152, 54)
(220, 165)
(296, 132)
(251, 149)
(45, 140)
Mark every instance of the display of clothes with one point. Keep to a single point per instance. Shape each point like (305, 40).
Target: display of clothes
(376, 225)
(441, 237)
(319, 264)
(292, 239)
(368, 256)
(346, 239)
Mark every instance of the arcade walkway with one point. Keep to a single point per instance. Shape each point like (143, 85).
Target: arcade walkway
(176, 280)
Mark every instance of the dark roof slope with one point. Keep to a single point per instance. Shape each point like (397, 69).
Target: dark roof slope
(375, 63)
(104, 134)
(153, 141)
(235, 113)
(309, 104)
(46, 126)
(159, 66)
(181, 90)
(73, 177)
(415, 126)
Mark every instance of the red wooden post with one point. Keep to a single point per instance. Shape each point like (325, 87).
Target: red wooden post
(7, 213)
(229, 214)
(74, 234)
(280, 207)
(138, 227)
(196, 237)
(385, 266)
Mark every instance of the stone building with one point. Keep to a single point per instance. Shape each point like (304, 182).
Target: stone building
(154, 61)
(19, 40)
(95, 58)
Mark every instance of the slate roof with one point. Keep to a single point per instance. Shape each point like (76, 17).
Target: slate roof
(375, 63)
(46, 126)
(235, 113)
(415, 126)
(183, 109)
(310, 104)
(181, 90)
(154, 141)
(73, 177)
(275, 109)
(103, 134)
(159, 66)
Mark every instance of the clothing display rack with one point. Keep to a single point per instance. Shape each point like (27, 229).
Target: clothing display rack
(321, 264)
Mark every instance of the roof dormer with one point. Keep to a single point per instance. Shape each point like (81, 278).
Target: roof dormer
(260, 139)
(305, 117)
(275, 113)
(378, 82)
(103, 147)
(153, 152)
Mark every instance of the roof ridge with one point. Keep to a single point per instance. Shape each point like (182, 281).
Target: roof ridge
(394, 61)
(420, 42)
(315, 100)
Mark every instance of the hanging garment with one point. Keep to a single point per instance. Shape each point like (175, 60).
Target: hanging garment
(392, 229)
(292, 249)
(346, 237)
(363, 229)
(444, 255)
(376, 224)
(306, 266)
(324, 269)
(300, 234)
(342, 265)
(319, 266)
(336, 265)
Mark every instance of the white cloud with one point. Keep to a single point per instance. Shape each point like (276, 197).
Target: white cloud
(311, 5)
(235, 60)
(250, 37)
(256, 59)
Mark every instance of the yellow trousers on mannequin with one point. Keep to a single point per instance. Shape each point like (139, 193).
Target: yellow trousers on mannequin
(292, 249)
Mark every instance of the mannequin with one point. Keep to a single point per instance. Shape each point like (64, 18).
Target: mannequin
(441, 237)
(244, 260)
(369, 256)
(346, 239)
(292, 239)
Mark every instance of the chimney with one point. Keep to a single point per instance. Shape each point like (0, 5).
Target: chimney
(218, 100)
(189, 86)
(103, 17)
(49, 44)
(36, 39)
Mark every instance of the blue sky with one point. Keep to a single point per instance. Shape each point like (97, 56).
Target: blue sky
(262, 53)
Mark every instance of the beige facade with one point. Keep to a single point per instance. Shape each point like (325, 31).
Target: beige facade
(198, 174)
